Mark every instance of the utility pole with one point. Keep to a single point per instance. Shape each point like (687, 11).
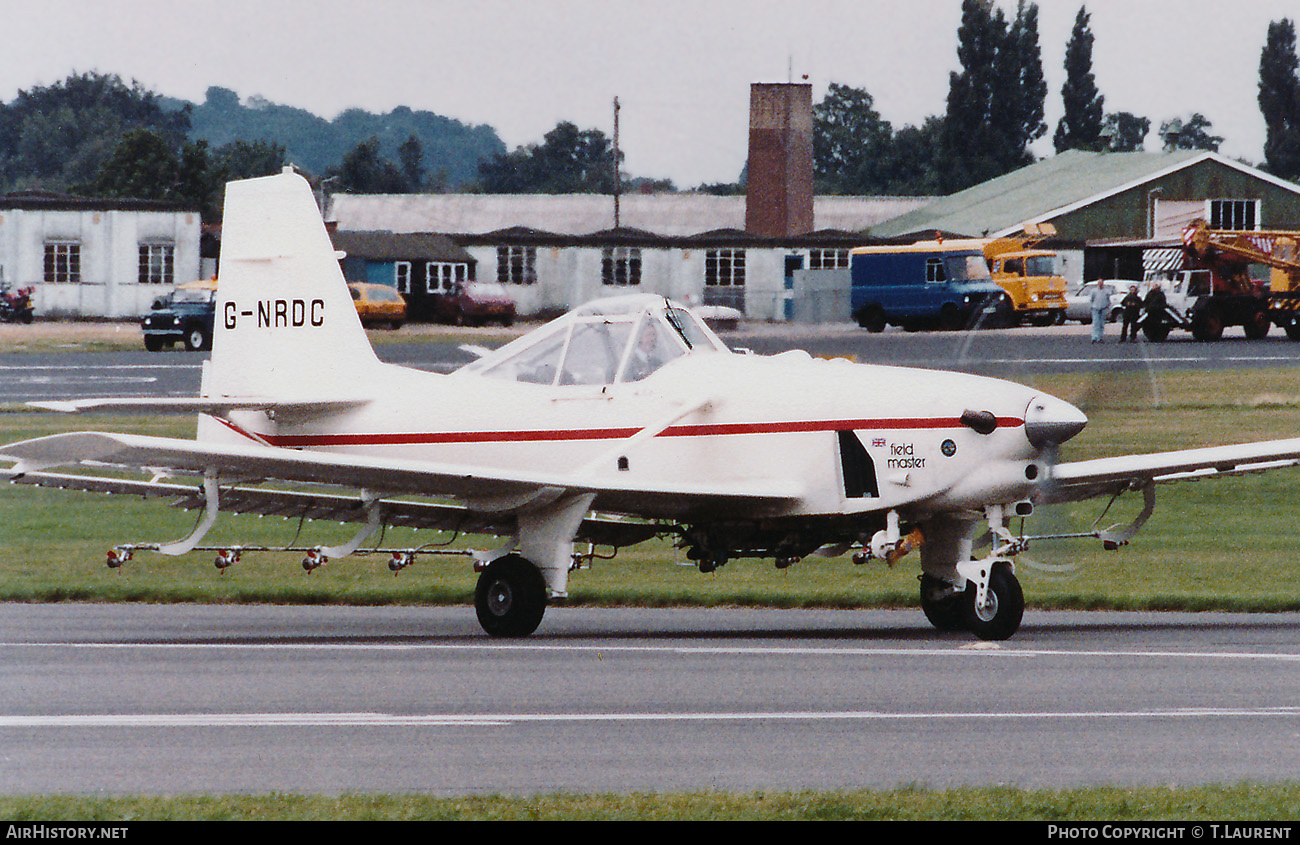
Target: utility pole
(618, 176)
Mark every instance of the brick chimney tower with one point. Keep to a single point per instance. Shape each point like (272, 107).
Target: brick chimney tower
(779, 192)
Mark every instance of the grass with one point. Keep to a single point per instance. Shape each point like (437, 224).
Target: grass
(1252, 802)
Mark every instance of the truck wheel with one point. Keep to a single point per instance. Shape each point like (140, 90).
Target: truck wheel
(872, 319)
(1258, 324)
(950, 318)
(1293, 330)
(153, 344)
(1207, 325)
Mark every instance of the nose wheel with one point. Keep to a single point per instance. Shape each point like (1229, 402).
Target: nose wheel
(996, 614)
(991, 614)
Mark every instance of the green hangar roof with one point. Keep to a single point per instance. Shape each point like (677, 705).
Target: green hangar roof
(1090, 195)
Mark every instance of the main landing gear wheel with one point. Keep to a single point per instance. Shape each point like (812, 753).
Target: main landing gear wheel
(942, 604)
(510, 597)
(1004, 606)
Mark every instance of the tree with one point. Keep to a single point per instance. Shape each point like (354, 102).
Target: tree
(995, 103)
(1080, 126)
(969, 138)
(364, 171)
(1022, 91)
(410, 156)
(1279, 100)
(203, 179)
(568, 161)
(142, 166)
(58, 136)
(850, 142)
(1126, 133)
(1190, 134)
(248, 159)
(913, 164)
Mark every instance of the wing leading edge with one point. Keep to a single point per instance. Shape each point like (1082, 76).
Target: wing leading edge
(1071, 482)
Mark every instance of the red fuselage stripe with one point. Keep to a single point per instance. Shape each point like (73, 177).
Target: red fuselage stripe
(543, 435)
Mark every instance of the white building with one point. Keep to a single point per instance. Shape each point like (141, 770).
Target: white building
(558, 251)
(96, 257)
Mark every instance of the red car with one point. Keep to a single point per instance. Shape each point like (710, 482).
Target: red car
(475, 304)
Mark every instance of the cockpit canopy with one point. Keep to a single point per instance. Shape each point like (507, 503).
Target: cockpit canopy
(620, 339)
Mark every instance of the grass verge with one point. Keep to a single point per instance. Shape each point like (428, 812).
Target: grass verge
(1253, 802)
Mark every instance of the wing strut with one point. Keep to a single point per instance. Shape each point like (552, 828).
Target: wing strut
(370, 502)
(211, 502)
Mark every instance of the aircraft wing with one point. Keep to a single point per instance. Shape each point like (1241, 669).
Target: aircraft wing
(479, 490)
(333, 507)
(1070, 482)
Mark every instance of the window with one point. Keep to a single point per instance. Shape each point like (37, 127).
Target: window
(724, 267)
(1042, 265)
(827, 259)
(934, 270)
(620, 266)
(1240, 215)
(517, 265)
(442, 277)
(63, 262)
(968, 268)
(402, 269)
(157, 264)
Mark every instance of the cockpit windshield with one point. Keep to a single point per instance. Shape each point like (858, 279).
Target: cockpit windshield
(625, 339)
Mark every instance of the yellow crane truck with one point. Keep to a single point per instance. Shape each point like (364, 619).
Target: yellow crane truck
(1030, 275)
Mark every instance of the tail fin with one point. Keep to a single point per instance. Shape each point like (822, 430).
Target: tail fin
(286, 326)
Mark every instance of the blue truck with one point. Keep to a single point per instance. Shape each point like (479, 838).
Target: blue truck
(927, 284)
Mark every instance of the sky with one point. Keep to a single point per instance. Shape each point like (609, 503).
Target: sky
(681, 69)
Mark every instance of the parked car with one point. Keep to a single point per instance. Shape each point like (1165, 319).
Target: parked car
(475, 304)
(183, 316)
(1078, 305)
(378, 304)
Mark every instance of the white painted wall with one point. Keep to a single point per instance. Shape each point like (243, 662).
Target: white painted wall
(110, 242)
(569, 276)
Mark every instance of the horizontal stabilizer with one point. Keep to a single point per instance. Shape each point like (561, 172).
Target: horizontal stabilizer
(213, 406)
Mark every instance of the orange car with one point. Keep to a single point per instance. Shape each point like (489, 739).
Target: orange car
(378, 304)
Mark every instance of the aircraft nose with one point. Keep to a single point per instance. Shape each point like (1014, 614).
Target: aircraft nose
(1050, 421)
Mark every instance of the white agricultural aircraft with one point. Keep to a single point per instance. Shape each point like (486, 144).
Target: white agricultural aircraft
(620, 421)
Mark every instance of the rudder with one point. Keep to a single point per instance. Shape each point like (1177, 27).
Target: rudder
(286, 326)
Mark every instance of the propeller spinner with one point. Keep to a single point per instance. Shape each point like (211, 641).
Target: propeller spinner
(1050, 421)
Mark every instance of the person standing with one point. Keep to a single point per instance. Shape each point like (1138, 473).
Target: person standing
(1132, 305)
(1099, 304)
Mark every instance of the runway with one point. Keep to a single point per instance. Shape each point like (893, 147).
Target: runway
(1006, 353)
(177, 699)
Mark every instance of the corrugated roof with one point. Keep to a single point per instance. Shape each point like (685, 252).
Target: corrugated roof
(387, 246)
(1055, 184)
(49, 201)
(669, 215)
